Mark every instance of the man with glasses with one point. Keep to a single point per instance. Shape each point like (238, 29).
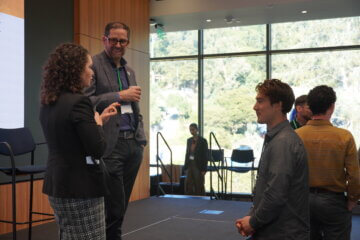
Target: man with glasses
(303, 112)
(114, 81)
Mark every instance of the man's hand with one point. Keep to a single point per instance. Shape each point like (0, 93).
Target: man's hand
(351, 205)
(239, 227)
(132, 94)
(244, 227)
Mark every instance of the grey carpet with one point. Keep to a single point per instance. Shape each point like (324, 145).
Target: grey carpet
(169, 218)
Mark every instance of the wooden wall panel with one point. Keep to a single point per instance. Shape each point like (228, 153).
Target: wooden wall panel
(95, 45)
(90, 18)
(40, 204)
(176, 173)
(140, 63)
(12, 7)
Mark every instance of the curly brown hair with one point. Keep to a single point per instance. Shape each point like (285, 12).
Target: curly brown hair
(62, 71)
(277, 91)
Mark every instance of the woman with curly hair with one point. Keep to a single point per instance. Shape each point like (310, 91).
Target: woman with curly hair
(73, 179)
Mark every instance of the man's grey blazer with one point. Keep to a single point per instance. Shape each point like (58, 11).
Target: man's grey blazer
(103, 91)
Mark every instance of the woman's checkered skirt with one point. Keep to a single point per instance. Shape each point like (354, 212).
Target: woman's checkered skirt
(80, 219)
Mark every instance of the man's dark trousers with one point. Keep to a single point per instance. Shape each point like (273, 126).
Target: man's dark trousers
(329, 217)
(123, 165)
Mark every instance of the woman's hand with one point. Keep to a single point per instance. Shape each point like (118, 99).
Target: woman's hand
(98, 119)
(110, 111)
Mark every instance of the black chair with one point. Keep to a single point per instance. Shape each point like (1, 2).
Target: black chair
(14, 143)
(216, 160)
(216, 164)
(243, 157)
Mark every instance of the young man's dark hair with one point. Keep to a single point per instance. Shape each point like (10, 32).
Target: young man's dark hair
(277, 91)
(320, 99)
(115, 25)
(194, 125)
(301, 100)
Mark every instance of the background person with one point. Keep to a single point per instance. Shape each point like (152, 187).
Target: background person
(196, 159)
(303, 112)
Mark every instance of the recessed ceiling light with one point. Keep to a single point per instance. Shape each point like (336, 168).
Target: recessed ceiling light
(304, 11)
(208, 20)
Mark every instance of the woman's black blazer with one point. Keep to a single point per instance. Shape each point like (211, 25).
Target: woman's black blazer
(72, 134)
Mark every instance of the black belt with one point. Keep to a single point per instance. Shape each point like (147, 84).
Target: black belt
(323, 190)
(126, 135)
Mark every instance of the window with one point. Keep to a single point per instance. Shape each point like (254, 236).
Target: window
(235, 60)
(174, 44)
(229, 95)
(337, 69)
(173, 105)
(319, 33)
(235, 39)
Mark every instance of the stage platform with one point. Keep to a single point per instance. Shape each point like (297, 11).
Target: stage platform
(175, 217)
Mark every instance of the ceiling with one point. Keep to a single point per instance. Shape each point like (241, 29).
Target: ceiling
(178, 15)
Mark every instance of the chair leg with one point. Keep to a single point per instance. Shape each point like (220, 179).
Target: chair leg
(231, 183)
(14, 208)
(211, 187)
(31, 205)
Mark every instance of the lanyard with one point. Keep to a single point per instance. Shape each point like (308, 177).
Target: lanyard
(295, 124)
(119, 79)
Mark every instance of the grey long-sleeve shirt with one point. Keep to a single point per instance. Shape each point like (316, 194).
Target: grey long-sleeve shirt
(281, 206)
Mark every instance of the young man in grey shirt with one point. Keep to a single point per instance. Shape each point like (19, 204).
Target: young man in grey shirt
(281, 203)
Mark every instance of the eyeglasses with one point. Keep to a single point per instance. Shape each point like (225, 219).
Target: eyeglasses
(114, 41)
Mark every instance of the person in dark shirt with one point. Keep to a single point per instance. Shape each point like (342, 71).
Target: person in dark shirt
(196, 159)
(281, 202)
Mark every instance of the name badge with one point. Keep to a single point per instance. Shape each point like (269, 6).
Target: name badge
(91, 161)
(126, 109)
(191, 157)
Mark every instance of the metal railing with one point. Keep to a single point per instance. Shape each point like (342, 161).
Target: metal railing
(219, 170)
(158, 159)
